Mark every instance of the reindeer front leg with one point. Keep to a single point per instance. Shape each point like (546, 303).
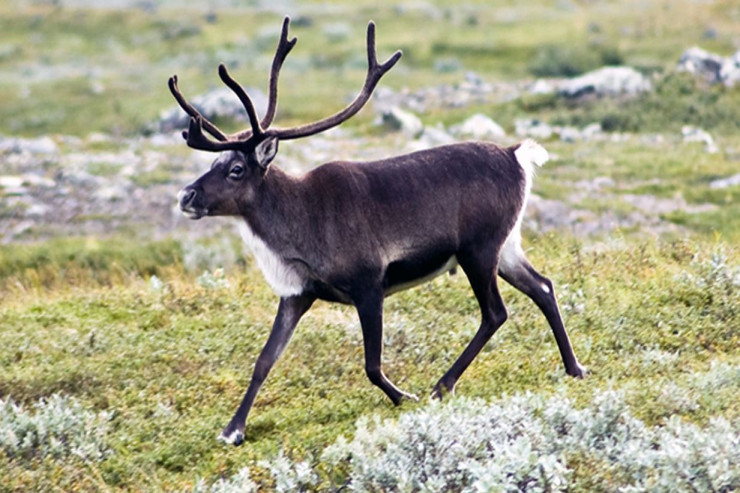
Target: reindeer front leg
(289, 313)
(370, 309)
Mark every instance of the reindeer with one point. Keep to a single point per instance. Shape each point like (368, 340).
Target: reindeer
(356, 232)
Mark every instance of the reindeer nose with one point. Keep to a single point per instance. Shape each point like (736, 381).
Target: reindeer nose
(185, 196)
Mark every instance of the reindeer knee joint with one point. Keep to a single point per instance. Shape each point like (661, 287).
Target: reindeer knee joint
(374, 373)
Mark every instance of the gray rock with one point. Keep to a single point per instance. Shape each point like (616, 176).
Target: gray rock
(701, 63)
(221, 103)
(696, 134)
(436, 136)
(10, 181)
(537, 129)
(590, 131)
(40, 145)
(730, 181)
(397, 119)
(13, 182)
(711, 67)
(606, 81)
(569, 134)
(573, 134)
(730, 71)
(479, 127)
(541, 86)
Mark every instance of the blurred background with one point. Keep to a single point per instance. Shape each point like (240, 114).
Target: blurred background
(89, 131)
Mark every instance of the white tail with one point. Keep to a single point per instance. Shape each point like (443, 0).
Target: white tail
(530, 154)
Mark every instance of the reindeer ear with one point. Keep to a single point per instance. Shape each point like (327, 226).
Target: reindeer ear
(265, 151)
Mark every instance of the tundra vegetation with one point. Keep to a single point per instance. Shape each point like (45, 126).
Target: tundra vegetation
(128, 334)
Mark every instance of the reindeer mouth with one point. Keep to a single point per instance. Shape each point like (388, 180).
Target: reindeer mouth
(186, 198)
(194, 213)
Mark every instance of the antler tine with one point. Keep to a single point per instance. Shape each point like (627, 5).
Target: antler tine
(284, 47)
(190, 110)
(245, 99)
(375, 72)
(197, 140)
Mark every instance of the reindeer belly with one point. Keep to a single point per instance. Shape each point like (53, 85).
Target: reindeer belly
(412, 271)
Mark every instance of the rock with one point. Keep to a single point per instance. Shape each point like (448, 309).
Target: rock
(479, 127)
(696, 134)
(9, 181)
(112, 193)
(436, 136)
(573, 134)
(569, 134)
(37, 210)
(730, 181)
(397, 119)
(541, 86)
(711, 67)
(221, 103)
(606, 81)
(701, 63)
(591, 130)
(730, 71)
(17, 184)
(40, 145)
(533, 128)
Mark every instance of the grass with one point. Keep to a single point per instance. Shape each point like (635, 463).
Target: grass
(172, 363)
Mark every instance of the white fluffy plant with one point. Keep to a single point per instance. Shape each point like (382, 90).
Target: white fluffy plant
(463, 445)
(57, 427)
(524, 443)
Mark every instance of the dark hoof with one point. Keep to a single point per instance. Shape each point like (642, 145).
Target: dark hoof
(235, 437)
(440, 391)
(579, 371)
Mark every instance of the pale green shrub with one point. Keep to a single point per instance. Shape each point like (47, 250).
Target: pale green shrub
(240, 482)
(58, 427)
(213, 280)
(527, 443)
(524, 443)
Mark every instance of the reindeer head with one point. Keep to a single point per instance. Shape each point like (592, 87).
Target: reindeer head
(235, 174)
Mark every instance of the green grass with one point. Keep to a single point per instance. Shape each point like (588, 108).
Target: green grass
(173, 364)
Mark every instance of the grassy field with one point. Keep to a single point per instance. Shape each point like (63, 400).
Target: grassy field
(170, 362)
(121, 359)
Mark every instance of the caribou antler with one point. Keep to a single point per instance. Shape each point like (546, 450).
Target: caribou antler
(374, 73)
(284, 47)
(194, 135)
(190, 110)
(259, 129)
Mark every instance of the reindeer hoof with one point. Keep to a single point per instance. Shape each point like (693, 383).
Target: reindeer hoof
(409, 397)
(579, 371)
(235, 437)
(440, 391)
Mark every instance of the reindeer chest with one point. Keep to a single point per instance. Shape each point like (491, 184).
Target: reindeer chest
(282, 278)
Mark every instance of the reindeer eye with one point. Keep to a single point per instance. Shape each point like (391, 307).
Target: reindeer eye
(236, 172)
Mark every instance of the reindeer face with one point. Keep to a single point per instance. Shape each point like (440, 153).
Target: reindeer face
(230, 184)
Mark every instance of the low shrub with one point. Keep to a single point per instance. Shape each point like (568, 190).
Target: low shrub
(572, 60)
(521, 443)
(58, 427)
